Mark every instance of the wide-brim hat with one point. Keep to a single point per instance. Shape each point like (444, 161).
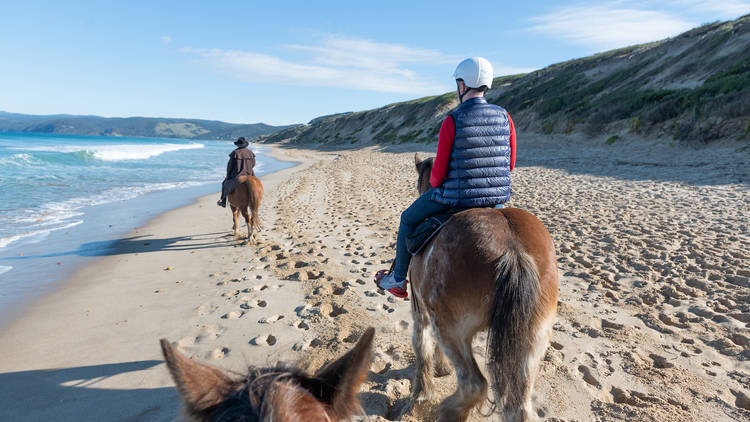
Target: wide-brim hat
(241, 142)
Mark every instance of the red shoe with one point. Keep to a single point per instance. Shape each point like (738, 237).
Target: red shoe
(386, 277)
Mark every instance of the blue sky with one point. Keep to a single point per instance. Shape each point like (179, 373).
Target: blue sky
(287, 61)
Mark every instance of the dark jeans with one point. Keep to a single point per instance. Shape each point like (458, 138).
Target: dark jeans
(422, 208)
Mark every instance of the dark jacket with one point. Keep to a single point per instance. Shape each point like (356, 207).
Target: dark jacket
(241, 163)
(479, 166)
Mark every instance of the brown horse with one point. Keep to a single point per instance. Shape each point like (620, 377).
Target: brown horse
(492, 269)
(272, 394)
(246, 194)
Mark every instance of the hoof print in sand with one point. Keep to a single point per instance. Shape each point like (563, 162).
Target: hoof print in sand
(219, 353)
(332, 310)
(270, 319)
(264, 340)
(233, 315)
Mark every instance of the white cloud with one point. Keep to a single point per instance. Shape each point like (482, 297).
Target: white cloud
(166, 39)
(721, 10)
(336, 62)
(610, 26)
(369, 54)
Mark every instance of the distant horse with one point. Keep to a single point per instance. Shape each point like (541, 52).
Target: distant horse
(246, 194)
(272, 394)
(490, 269)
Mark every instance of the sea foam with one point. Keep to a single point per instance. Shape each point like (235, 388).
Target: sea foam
(118, 152)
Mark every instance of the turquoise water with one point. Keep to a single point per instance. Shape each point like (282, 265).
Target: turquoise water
(50, 186)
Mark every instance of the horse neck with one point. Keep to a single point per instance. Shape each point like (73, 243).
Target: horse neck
(423, 182)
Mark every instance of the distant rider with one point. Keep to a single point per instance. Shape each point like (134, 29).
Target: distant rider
(241, 163)
(476, 153)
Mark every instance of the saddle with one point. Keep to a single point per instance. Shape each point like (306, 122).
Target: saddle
(427, 229)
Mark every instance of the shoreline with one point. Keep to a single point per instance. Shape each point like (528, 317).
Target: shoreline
(104, 320)
(37, 268)
(116, 246)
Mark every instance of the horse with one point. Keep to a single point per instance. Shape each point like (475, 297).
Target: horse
(487, 269)
(246, 194)
(279, 394)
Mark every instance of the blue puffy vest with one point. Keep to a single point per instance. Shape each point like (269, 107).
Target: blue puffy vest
(479, 167)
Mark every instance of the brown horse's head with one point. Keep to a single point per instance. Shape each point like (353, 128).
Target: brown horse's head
(424, 168)
(278, 394)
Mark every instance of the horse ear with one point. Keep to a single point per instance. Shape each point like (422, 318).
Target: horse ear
(200, 386)
(346, 374)
(417, 159)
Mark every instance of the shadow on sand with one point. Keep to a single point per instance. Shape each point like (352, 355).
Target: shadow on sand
(21, 395)
(143, 244)
(634, 159)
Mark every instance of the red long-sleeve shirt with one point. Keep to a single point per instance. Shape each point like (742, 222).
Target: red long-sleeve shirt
(445, 145)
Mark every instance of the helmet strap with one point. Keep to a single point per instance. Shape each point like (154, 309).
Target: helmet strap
(460, 95)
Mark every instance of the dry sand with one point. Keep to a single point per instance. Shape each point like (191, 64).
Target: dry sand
(654, 313)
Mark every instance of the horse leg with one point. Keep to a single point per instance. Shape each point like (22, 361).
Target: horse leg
(423, 341)
(254, 219)
(442, 364)
(235, 218)
(517, 404)
(455, 340)
(246, 216)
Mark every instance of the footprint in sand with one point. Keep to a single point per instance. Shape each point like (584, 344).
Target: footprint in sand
(351, 338)
(233, 315)
(254, 304)
(335, 310)
(205, 309)
(660, 361)
(218, 353)
(185, 342)
(299, 310)
(588, 376)
(264, 340)
(230, 293)
(270, 319)
(302, 325)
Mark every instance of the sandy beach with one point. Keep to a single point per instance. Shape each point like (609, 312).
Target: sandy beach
(653, 318)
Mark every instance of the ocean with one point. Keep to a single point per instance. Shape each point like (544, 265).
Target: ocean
(66, 197)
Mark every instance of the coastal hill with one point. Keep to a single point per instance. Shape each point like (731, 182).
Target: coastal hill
(692, 87)
(132, 126)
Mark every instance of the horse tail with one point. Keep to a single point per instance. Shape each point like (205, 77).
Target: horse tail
(512, 337)
(254, 194)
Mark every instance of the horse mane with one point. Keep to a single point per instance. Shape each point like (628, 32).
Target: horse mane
(265, 395)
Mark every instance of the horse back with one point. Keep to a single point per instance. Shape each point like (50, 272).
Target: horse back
(246, 185)
(458, 268)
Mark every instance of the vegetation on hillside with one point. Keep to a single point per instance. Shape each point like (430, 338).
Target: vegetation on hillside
(132, 126)
(695, 87)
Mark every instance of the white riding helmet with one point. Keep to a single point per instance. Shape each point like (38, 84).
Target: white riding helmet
(475, 72)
